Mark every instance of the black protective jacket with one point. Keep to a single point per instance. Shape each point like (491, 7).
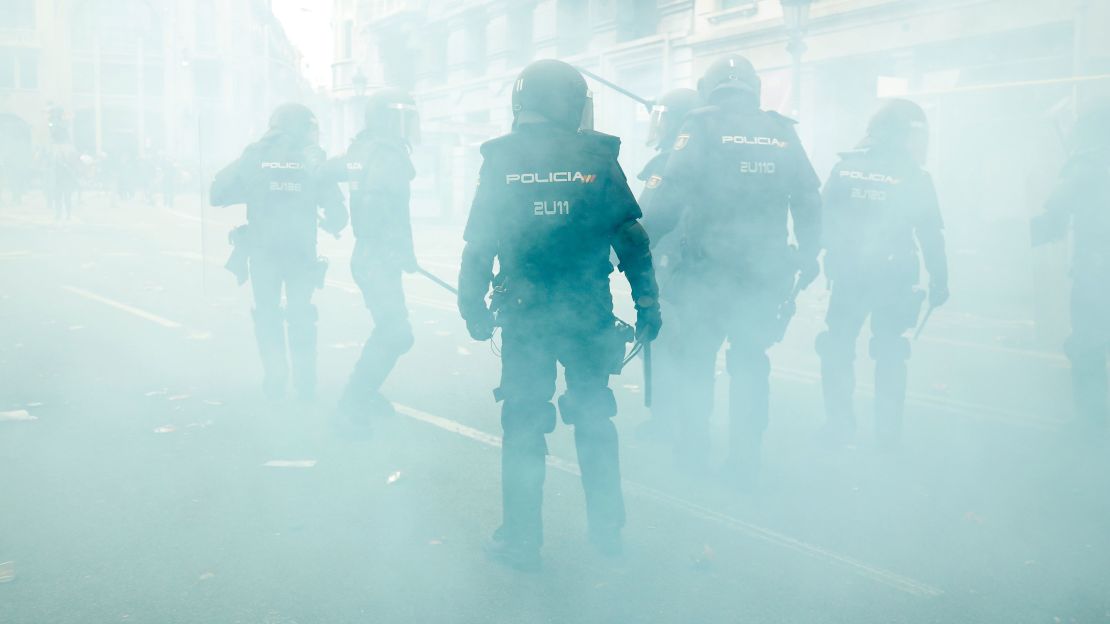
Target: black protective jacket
(379, 173)
(879, 206)
(550, 205)
(1081, 198)
(735, 175)
(282, 183)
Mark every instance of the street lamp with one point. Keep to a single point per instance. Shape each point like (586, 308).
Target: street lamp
(795, 14)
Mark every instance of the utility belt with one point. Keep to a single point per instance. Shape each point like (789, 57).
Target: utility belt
(244, 245)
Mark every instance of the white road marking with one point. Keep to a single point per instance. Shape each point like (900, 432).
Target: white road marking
(866, 570)
(22, 253)
(143, 314)
(290, 463)
(16, 416)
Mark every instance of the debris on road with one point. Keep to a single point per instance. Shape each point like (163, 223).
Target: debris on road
(20, 415)
(165, 429)
(206, 576)
(178, 397)
(462, 350)
(290, 463)
(393, 478)
(705, 559)
(155, 393)
(212, 402)
(7, 572)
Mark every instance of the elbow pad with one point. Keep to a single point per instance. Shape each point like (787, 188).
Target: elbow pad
(634, 252)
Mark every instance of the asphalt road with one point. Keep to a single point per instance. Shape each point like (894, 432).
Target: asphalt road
(144, 479)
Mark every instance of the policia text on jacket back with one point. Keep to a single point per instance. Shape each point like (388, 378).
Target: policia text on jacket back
(279, 179)
(551, 203)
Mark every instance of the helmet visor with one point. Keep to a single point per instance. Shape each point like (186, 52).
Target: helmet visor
(656, 128)
(587, 120)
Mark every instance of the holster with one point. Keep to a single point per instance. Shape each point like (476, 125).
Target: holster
(237, 262)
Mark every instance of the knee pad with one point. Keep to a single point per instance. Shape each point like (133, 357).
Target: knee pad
(747, 361)
(578, 406)
(267, 316)
(833, 346)
(302, 314)
(527, 419)
(396, 337)
(889, 348)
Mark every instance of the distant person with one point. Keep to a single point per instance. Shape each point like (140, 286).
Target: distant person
(1081, 200)
(667, 117)
(279, 179)
(61, 169)
(378, 170)
(879, 208)
(551, 203)
(737, 177)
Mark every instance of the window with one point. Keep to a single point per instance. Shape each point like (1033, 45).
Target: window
(572, 25)
(17, 14)
(520, 34)
(476, 46)
(7, 69)
(119, 79)
(206, 25)
(27, 65)
(19, 68)
(636, 18)
(346, 40)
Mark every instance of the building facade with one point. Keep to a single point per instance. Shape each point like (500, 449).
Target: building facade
(139, 78)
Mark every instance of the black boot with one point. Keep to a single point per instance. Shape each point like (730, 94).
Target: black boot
(599, 460)
(890, 401)
(523, 469)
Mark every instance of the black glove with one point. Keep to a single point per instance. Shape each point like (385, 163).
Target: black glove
(808, 271)
(938, 294)
(648, 323)
(480, 325)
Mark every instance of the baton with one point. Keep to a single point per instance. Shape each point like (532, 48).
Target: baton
(619, 89)
(439, 282)
(928, 313)
(647, 374)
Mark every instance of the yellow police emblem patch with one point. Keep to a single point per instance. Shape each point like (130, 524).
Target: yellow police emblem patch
(681, 141)
(654, 181)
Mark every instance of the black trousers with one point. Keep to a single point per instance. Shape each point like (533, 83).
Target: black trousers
(297, 274)
(531, 351)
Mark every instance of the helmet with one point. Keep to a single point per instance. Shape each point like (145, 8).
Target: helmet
(733, 73)
(296, 121)
(556, 91)
(391, 113)
(900, 125)
(667, 114)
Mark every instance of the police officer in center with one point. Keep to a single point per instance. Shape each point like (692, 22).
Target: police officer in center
(737, 174)
(879, 207)
(379, 172)
(280, 180)
(1081, 199)
(551, 203)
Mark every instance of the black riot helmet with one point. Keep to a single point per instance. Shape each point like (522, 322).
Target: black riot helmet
(296, 122)
(555, 91)
(391, 113)
(901, 126)
(731, 75)
(668, 113)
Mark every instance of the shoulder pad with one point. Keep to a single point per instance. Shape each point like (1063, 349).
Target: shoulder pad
(703, 111)
(656, 165)
(777, 116)
(605, 143)
(495, 145)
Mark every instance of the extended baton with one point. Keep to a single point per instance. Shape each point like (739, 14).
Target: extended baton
(928, 313)
(445, 285)
(619, 89)
(647, 374)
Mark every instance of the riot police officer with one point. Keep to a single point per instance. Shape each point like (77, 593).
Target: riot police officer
(877, 200)
(279, 178)
(1082, 199)
(737, 173)
(378, 171)
(551, 202)
(668, 113)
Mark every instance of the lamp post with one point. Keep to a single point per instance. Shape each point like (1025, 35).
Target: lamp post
(796, 15)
